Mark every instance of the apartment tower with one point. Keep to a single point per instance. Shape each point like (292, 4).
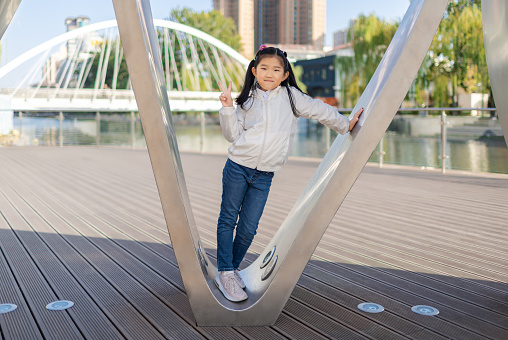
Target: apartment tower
(291, 22)
(277, 22)
(242, 12)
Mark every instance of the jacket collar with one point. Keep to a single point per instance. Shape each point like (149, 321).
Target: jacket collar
(272, 93)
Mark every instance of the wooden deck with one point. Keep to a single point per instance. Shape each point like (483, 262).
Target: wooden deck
(85, 224)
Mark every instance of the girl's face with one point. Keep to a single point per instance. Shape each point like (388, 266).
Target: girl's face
(270, 72)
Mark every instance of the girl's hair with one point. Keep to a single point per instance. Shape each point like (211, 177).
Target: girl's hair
(249, 85)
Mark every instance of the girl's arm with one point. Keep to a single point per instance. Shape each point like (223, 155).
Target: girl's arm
(327, 115)
(231, 122)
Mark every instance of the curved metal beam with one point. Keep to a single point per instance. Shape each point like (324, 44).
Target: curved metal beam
(495, 32)
(271, 278)
(109, 24)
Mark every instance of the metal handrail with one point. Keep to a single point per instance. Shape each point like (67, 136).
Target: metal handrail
(438, 109)
(202, 118)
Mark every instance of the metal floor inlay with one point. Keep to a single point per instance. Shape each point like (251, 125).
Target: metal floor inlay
(370, 307)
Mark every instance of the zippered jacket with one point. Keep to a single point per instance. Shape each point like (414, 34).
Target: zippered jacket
(262, 134)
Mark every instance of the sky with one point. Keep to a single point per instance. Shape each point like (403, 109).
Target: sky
(37, 21)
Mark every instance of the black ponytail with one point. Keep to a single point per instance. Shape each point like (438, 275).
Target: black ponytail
(249, 85)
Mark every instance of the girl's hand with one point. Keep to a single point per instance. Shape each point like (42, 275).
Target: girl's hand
(355, 119)
(225, 97)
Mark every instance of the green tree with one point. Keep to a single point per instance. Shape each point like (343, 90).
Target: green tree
(371, 37)
(298, 71)
(213, 23)
(216, 25)
(123, 73)
(456, 60)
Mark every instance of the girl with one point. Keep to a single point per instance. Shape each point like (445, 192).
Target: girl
(261, 130)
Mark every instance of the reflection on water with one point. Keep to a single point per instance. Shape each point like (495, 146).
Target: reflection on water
(470, 155)
(466, 151)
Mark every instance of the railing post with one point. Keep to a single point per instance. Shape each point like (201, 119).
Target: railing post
(20, 124)
(327, 136)
(61, 118)
(381, 152)
(443, 143)
(133, 122)
(98, 128)
(202, 141)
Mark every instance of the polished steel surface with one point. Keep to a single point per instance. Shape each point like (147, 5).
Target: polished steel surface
(7, 10)
(495, 33)
(269, 270)
(140, 44)
(270, 287)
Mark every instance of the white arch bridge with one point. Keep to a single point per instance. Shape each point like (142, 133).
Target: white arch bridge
(85, 70)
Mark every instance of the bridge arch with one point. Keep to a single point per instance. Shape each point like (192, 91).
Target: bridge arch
(193, 61)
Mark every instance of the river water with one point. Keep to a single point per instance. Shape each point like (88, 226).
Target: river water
(476, 145)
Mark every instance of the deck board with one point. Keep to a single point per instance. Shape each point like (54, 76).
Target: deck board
(85, 224)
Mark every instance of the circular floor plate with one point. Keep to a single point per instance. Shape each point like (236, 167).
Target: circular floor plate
(60, 305)
(425, 310)
(370, 307)
(7, 307)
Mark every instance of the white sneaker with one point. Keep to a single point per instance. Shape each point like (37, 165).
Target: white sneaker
(228, 285)
(239, 279)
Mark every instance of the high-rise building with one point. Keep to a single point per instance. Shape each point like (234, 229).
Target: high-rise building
(77, 50)
(72, 24)
(345, 36)
(277, 22)
(340, 37)
(290, 22)
(242, 12)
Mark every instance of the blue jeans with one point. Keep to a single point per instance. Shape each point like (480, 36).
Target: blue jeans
(244, 194)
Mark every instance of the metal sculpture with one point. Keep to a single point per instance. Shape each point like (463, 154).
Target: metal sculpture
(495, 32)
(271, 278)
(7, 10)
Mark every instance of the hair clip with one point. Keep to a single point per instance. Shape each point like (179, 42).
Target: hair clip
(262, 47)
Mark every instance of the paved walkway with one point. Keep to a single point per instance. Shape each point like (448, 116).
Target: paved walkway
(85, 224)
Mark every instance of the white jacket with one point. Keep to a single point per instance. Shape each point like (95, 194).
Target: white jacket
(263, 133)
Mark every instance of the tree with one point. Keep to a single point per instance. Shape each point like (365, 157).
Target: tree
(213, 23)
(370, 37)
(122, 76)
(298, 72)
(456, 61)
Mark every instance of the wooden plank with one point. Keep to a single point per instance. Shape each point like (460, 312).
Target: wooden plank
(496, 265)
(111, 210)
(101, 252)
(18, 246)
(102, 229)
(402, 237)
(19, 325)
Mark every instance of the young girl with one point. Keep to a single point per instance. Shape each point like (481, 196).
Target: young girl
(261, 131)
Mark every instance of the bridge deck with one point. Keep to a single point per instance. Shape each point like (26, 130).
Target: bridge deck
(85, 224)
